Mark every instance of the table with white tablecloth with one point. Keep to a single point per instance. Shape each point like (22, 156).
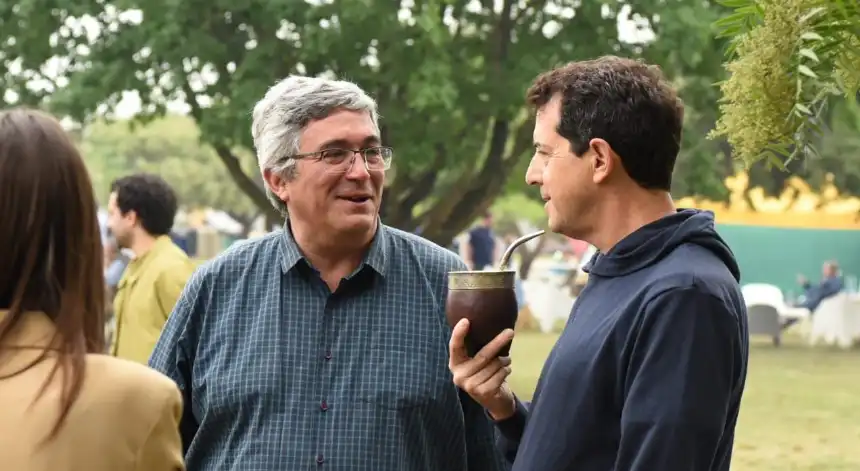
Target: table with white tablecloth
(837, 320)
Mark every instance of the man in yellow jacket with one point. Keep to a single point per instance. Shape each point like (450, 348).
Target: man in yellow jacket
(141, 211)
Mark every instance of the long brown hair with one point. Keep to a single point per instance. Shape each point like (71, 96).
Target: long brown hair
(50, 245)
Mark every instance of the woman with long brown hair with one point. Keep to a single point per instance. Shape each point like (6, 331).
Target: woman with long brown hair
(63, 405)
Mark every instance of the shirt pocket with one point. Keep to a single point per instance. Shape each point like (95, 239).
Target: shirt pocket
(244, 385)
(397, 379)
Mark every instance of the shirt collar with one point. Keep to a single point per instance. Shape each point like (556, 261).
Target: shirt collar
(161, 242)
(376, 256)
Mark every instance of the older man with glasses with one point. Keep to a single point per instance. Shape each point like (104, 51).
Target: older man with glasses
(322, 346)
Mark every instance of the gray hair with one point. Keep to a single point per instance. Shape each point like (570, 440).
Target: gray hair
(280, 117)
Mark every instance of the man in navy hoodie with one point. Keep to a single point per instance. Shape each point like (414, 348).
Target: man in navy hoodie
(649, 371)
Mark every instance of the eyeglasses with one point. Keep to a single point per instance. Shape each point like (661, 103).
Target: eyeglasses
(341, 160)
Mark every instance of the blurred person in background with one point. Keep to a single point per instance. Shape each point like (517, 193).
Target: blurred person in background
(482, 248)
(830, 285)
(103, 227)
(322, 346)
(115, 262)
(65, 406)
(141, 211)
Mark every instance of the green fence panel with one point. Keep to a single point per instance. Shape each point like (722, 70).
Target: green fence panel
(777, 255)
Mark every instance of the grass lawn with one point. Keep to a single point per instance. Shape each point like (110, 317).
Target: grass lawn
(801, 407)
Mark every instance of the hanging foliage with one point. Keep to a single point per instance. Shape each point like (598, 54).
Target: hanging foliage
(787, 59)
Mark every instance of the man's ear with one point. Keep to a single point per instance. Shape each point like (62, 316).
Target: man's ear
(277, 184)
(603, 161)
(131, 215)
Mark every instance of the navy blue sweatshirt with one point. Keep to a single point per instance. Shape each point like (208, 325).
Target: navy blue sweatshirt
(649, 370)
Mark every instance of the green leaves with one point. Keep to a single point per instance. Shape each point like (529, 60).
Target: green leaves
(786, 63)
(805, 70)
(809, 54)
(811, 36)
(171, 148)
(746, 15)
(449, 75)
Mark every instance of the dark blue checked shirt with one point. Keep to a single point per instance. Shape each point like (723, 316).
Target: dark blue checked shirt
(280, 374)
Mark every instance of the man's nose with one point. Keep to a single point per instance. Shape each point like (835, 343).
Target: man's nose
(534, 173)
(358, 168)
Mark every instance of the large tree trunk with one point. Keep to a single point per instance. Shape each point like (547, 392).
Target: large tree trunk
(457, 206)
(474, 191)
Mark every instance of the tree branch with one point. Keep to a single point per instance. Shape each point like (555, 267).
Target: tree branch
(414, 190)
(523, 141)
(476, 197)
(503, 37)
(227, 157)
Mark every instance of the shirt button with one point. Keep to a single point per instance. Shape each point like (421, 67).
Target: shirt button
(324, 406)
(328, 354)
(320, 459)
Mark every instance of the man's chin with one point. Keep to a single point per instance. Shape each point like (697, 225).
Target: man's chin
(358, 223)
(556, 226)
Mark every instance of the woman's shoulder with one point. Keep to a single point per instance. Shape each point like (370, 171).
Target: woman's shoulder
(119, 378)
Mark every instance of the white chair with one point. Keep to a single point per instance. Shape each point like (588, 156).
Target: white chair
(764, 319)
(762, 293)
(770, 295)
(836, 321)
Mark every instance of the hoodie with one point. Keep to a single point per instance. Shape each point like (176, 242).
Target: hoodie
(649, 371)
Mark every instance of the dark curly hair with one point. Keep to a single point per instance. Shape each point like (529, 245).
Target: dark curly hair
(625, 102)
(150, 197)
